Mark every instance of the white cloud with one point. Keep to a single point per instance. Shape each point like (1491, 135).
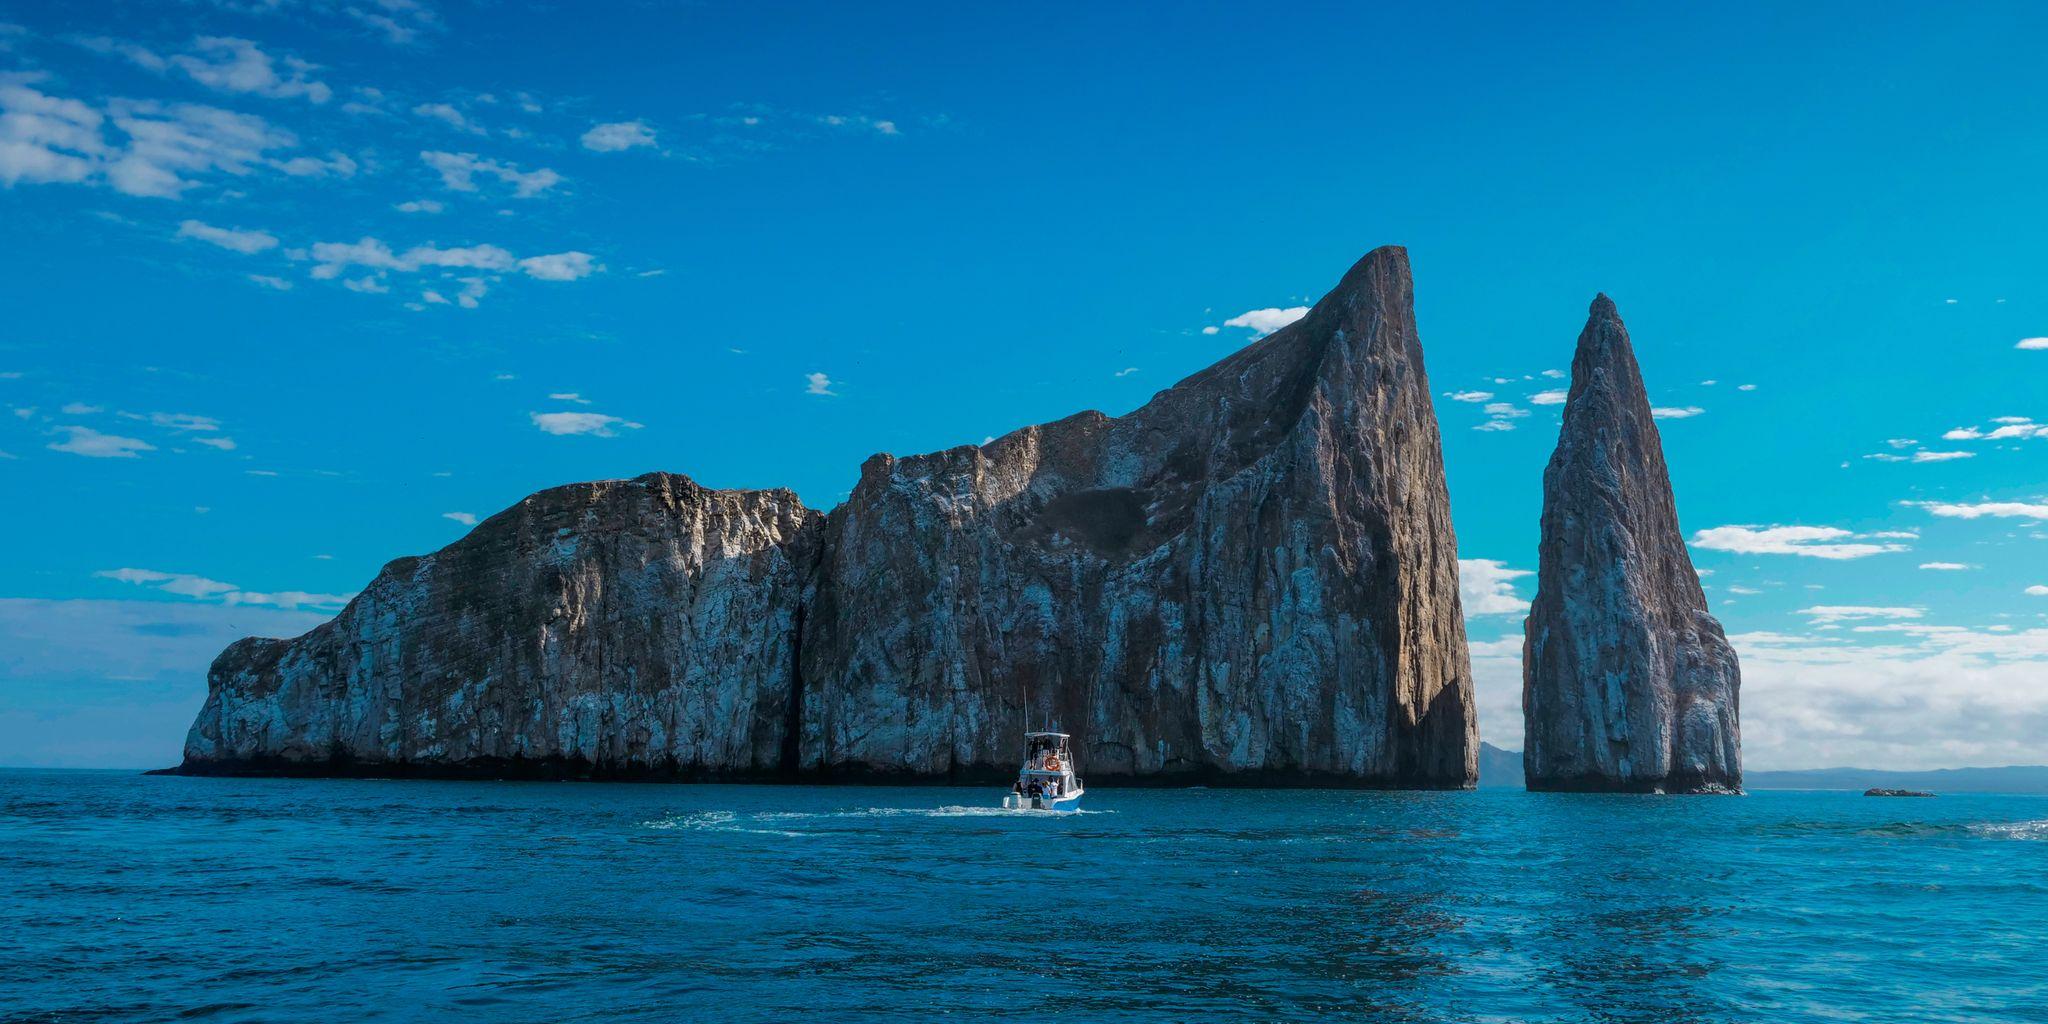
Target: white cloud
(1211, 329)
(189, 585)
(1927, 456)
(226, 444)
(1493, 426)
(93, 444)
(419, 206)
(1942, 697)
(1846, 612)
(1486, 587)
(160, 150)
(1807, 541)
(569, 396)
(238, 66)
(237, 239)
(818, 384)
(449, 116)
(2038, 591)
(2032, 344)
(1665, 412)
(1505, 410)
(273, 283)
(1946, 566)
(459, 170)
(46, 138)
(1554, 374)
(1552, 397)
(180, 421)
(618, 135)
(465, 518)
(171, 144)
(1469, 396)
(1998, 509)
(560, 266)
(593, 424)
(400, 22)
(332, 259)
(81, 409)
(1126, 371)
(1265, 321)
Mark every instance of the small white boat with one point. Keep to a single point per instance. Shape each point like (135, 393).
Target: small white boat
(1047, 781)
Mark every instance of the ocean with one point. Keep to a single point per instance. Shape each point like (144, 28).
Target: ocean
(133, 898)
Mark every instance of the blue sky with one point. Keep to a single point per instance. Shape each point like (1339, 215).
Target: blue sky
(295, 287)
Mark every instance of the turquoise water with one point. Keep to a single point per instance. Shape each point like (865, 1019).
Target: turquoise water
(129, 898)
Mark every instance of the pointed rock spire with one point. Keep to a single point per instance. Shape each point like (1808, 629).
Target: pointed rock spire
(1628, 683)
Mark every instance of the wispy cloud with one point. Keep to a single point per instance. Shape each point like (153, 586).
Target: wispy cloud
(237, 239)
(818, 384)
(201, 588)
(1830, 613)
(1983, 509)
(465, 518)
(94, 445)
(449, 116)
(1824, 542)
(1667, 412)
(592, 424)
(459, 172)
(618, 135)
(2033, 345)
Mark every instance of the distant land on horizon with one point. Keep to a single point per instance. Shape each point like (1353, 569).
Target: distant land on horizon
(1498, 767)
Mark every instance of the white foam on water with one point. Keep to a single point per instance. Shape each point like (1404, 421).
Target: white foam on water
(729, 821)
(2013, 829)
(713, 821)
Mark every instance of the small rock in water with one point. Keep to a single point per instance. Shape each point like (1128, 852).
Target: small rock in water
(1896, 792)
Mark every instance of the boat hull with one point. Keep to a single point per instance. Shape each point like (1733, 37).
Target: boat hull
(1063, 804)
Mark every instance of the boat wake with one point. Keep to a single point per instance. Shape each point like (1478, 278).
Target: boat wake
(766, 822)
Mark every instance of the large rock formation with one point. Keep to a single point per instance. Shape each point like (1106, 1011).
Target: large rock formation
(1628, 683)
(1252, 578)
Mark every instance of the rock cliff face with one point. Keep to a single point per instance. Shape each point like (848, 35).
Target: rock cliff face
(1253, 578)
(1628, 683)
(629, 624)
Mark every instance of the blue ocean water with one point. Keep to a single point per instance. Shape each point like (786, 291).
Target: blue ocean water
(131, 898)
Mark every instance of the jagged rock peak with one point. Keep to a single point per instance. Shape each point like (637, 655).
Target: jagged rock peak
(1628, 682)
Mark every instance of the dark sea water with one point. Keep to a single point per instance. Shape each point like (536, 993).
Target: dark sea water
(130, 898)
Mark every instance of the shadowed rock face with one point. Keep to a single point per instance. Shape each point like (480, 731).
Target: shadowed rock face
(1628, 684)
(1253, 575)
(1253, 578)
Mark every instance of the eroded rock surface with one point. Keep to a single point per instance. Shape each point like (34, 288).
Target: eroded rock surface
(1254, 575)
(626, 624)
(1253, 578)
(1628, 683)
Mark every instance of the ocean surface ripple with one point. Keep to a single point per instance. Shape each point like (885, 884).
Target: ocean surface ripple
(131, 898)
